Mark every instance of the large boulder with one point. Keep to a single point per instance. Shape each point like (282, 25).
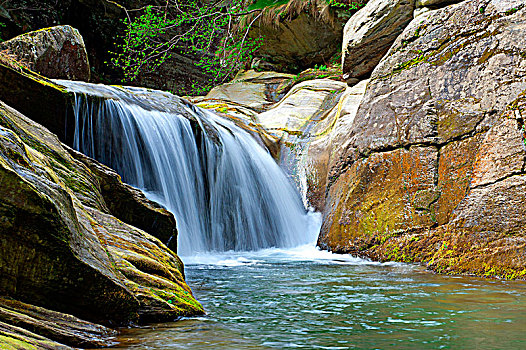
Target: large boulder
(305, 102)
(433, 167)
(299, 34)
(64, 250)
(129, 204)
(369, 34)
(249, 89)
(57, 52)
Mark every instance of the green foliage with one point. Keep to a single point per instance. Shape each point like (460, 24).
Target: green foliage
(342, 4)
(2, 25)
(261, 4)
(345, 5)
(213, 36)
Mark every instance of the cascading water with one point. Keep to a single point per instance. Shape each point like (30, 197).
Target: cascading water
(225, 190)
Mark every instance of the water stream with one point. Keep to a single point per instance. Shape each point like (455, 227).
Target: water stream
(225, 190)
(303, 298)
(248, 245)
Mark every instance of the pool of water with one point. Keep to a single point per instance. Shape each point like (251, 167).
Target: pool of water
(304, 298)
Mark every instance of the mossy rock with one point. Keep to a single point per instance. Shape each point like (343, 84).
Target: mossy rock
(65, 250)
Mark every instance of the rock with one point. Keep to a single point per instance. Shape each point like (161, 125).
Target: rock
(250, 89)
(29, 92)
(369, 34)
(299, 34)
(62, 247)
(502, 153)
(62, 328)
(130, 204)
(12, 337)
(432, 167)
(421, 10)
(455, 171)
(305, 103)
(434, 3)
(323, 151)
(381, 195)
(301, 122)
(57, 52)
(247, 95)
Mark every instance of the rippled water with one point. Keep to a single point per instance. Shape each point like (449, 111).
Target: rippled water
(304, 298)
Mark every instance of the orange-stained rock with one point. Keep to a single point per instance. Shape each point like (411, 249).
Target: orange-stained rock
(454, 174)
(453, 82)
(379, 196)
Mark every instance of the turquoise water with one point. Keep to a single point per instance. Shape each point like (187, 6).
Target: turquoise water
(306, 299)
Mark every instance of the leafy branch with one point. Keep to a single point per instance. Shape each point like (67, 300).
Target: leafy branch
(211, 33)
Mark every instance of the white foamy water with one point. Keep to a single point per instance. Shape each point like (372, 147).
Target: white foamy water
(225, 190)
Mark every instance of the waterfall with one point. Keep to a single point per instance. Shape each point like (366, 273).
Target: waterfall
(225, 190)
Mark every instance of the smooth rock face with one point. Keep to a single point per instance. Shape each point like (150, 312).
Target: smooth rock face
(306, 102)
(57, 52)
(331, 135)
(250, 93)
(250, 89)
(369, 34)
(433, 167)
(62, 247)
(502, 153)
(308, 122)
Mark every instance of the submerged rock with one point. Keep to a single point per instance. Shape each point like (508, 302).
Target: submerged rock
(433, 168)
(57, 52)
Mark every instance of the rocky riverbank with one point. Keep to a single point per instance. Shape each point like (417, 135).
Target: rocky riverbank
(414, 152)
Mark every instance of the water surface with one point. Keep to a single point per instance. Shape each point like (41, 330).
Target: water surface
(304, 298)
